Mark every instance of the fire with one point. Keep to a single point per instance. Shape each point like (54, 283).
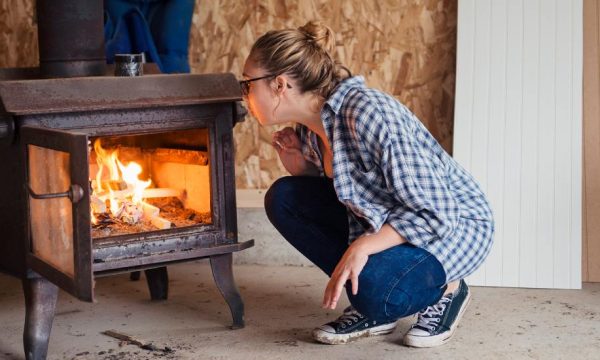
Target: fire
(119, 185)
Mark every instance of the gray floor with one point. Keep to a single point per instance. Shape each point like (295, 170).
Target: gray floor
(282, 305)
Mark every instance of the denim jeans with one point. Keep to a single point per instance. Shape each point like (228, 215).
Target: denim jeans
(394, 283)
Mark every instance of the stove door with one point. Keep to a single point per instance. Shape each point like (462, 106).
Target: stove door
(59, 244)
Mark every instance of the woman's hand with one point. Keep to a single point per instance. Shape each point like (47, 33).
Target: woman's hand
(289, 149)
(354, 260)
(349, 267)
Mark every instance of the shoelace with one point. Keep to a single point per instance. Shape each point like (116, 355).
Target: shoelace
(431, 316)
(349, 317)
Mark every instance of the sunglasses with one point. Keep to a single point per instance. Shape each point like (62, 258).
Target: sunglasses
(245, 84)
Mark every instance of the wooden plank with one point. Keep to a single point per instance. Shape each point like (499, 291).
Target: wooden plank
(591, 123)
(51, 219)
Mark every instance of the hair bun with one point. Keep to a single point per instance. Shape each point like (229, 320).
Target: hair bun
(321, 34)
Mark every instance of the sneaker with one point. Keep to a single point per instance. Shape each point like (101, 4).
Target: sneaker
(351, 326)
(437, 323)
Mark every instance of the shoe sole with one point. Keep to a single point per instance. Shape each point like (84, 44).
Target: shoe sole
(338, 339)
(437, 340)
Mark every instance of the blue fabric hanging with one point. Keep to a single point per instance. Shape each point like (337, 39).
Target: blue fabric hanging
(158, 28)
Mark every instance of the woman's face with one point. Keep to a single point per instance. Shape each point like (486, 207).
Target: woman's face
(262, 98)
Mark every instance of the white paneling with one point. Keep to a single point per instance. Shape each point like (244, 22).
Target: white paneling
(496, 129)
(518, 131)
(563, 148)
(576, 91)
(546, 124)
(463, 108)
(529, 145)
(512, 143)
(481, 90)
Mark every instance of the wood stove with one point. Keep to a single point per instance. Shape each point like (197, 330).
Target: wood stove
(176, 128)
(105, 175)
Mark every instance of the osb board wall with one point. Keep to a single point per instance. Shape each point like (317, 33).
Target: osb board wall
(591, 141)
(404, 47)
(18, 34)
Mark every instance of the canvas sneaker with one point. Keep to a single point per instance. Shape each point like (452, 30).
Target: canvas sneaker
(437, 323)
(351, 326)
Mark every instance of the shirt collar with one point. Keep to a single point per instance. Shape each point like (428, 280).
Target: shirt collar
(336, 99)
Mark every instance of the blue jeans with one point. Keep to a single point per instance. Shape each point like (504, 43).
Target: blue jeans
(394, 283)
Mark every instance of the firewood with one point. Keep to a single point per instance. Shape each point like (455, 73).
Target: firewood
(114, 184)
(150, 210)
(135, 341)
(160, 223)
(180, 156)
(119, 194)
(162, 192)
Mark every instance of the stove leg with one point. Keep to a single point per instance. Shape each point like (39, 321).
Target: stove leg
(223, 274)
(40, 302)
(158, 283)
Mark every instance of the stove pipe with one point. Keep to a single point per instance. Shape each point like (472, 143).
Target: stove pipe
(71, 38)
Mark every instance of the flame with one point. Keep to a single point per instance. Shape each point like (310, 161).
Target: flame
(109, 166)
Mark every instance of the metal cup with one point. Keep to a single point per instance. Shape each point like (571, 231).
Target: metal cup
(129, 64)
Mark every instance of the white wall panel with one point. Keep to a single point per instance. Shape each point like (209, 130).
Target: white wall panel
(518, 131)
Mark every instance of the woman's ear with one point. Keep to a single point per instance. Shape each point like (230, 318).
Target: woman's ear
(280, 84)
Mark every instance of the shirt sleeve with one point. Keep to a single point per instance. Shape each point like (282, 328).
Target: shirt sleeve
(424, 208)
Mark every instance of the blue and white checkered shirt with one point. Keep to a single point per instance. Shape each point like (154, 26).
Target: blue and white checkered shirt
(388, 168)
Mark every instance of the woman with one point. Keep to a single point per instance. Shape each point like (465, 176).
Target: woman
(373, 200)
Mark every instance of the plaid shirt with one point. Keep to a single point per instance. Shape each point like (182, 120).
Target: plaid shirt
(387, 168)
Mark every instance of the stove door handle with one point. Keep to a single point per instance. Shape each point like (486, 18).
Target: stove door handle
(75, 194)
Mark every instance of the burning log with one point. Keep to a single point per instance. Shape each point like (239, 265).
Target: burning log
(180, 156)
(119, 194)
(147, 193)
(131, 213)
(114, 184)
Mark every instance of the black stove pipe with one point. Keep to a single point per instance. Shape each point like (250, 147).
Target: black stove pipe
(71, 38)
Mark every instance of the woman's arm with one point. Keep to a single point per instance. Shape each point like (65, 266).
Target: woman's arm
(384, 239)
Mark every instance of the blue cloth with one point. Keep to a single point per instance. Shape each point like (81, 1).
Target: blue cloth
(158, 28)
(388, 168)
(394, 283)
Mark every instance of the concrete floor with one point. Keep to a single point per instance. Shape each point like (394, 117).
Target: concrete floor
(282, 306)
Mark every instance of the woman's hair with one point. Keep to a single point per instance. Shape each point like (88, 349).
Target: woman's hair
(305, 54)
